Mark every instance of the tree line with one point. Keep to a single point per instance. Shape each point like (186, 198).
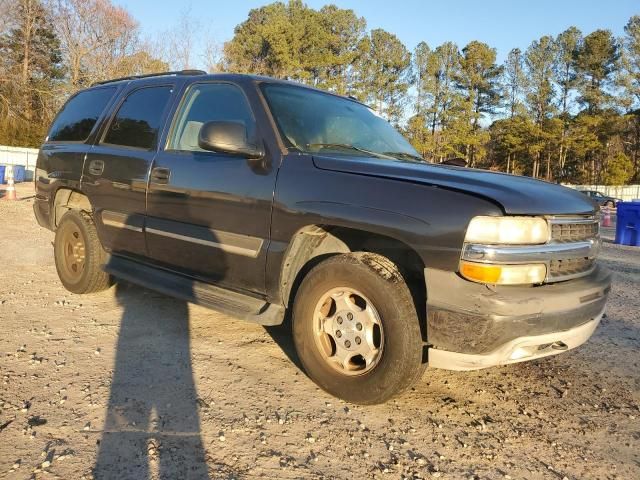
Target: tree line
(566, 108)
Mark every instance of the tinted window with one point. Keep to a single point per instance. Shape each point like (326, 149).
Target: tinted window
(80, 114)
(209, 102)
(138, 119)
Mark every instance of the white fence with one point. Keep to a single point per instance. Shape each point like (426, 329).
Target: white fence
(20, 156)
(28, 157)
(623, 192)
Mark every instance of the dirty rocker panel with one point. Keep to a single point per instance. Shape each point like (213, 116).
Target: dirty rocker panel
(192, 290)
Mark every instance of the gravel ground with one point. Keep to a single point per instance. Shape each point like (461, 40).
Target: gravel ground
(132, 384)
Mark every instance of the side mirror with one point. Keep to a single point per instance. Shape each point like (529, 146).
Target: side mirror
(228, 137)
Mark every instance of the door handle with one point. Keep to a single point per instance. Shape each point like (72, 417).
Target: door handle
(160, 175)
(96, 167)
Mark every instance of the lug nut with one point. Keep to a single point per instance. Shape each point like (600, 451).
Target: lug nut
(350, 316)
(347, 343)
(340, 320)
(359, 326)
(358, 340)
(338, 334)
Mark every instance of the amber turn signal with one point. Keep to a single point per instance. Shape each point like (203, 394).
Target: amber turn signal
(503, 274)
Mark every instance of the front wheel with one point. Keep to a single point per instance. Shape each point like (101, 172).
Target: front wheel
(356, 330)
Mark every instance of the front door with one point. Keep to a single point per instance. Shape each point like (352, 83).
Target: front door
(208, 213)
(117, 167)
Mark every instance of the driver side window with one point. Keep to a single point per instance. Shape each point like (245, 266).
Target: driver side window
(208, 102)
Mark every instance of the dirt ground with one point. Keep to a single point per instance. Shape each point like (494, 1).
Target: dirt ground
(130, 384)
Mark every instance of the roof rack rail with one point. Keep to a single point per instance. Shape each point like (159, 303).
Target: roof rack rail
(148, 75)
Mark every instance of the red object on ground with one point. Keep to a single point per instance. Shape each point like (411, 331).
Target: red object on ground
(10, 191)
(606, 219)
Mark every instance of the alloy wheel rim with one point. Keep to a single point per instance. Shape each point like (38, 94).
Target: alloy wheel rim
(73, 252)
(348, 331)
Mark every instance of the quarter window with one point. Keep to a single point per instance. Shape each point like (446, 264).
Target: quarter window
(79, 115)
(137, 122)
(208, 102)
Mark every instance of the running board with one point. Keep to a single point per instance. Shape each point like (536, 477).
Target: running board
(195, 291)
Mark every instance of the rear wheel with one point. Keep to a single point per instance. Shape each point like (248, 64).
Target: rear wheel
(79, 256)
(356, 329)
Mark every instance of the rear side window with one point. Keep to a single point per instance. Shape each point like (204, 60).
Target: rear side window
(79, 115)
(137, 122)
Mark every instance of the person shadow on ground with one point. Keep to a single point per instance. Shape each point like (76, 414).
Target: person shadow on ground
(152, 425)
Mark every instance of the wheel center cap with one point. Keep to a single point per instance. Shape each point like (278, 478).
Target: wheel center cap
(348, 330)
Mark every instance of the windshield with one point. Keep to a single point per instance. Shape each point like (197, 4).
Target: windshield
(312, 122)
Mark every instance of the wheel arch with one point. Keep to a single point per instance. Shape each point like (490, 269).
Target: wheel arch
(314, 243)
(68, 199)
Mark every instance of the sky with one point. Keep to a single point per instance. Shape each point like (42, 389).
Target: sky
(503, 24)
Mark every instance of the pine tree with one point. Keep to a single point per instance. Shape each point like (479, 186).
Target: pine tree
(540, 59)
(596, 61)
(568, 45)
(514, 82)
(479, 80)
(31, 57)
(383, 73)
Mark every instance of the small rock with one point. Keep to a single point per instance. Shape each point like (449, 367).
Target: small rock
(36, 421)
(46, 464)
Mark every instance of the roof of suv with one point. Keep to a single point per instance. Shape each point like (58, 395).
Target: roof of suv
(202, 75)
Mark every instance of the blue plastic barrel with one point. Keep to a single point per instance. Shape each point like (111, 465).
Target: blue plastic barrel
(18, 173)
(2, 170)
(628, 224)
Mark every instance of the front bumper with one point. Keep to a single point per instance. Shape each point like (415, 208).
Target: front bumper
(471, 325)
(518, 350)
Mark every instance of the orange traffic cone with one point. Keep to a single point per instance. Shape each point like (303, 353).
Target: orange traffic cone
(10, 192)
(606, 219)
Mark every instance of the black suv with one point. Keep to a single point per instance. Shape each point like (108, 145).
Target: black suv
(258, 197)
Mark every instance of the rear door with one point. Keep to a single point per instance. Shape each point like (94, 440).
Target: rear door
(61, 157)
(116, 169)
(208, 214)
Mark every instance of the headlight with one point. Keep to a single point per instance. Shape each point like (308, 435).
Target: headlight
(508, 230)
(503, 274)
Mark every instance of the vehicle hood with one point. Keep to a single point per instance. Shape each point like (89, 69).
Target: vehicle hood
(516, 195)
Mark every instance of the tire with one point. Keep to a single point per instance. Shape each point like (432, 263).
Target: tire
(398, 362)
(78, 254)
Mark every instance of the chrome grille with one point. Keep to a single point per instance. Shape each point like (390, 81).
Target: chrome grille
(570, 267)
(573, 232)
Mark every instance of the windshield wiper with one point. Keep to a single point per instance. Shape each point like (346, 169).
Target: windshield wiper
(409, 156)
(346, 146)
